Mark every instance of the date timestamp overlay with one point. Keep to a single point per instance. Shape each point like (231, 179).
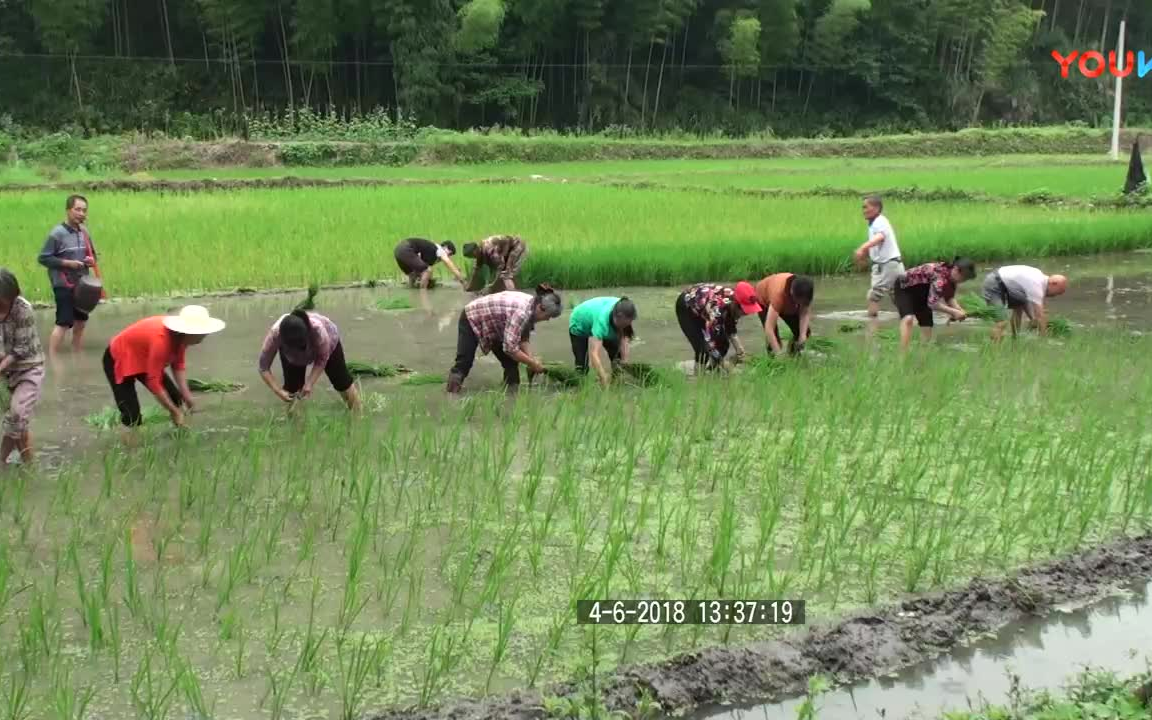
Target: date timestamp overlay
(690, 612)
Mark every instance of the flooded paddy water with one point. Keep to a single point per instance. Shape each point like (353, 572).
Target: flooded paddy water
(233, 535)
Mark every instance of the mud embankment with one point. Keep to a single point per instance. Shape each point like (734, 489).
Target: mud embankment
(865, 645)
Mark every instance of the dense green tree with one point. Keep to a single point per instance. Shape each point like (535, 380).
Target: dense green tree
(795, 66)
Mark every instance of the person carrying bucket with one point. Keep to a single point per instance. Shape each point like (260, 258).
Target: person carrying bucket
(142, 352)
(501, 323)
(416, 256)
(304, 338)
(1021, 289)
(68, 253)
(928, 287)
(504, 254)
(21, 364)
(787, 297)
(708, 314)
(601, 323)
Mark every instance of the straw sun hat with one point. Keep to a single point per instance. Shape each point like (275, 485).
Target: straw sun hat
(193, 320)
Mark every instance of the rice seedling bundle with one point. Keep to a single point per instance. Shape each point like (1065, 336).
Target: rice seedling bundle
(580, 236)
(383, 370)
(213, 385)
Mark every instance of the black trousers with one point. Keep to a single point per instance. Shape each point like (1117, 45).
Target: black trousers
(580, 351)
(914, 301)
(793, 323)
(466, 345)
(336, 370)
(127, 402)
(693, 328)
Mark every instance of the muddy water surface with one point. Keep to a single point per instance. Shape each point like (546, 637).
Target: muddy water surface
(1115, 634)
(1106, 289)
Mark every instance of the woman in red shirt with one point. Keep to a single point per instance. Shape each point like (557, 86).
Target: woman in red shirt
(143, 350)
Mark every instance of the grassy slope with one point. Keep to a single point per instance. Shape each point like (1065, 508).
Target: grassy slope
(578, 235)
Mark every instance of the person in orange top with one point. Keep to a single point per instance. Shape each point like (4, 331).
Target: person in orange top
(143, 350)
(787, 297)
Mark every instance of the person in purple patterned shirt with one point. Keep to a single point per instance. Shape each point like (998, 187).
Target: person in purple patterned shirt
(928, 287)
(305, 338)
(707, 314)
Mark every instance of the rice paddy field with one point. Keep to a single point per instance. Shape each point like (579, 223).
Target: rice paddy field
(315, 565)
(579, 235)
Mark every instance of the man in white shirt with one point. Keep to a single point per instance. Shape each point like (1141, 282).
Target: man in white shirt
(881, 252)
(1021, 289)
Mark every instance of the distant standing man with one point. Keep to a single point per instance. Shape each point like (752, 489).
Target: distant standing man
(68, 254)
(883, 254)
(1021, 289)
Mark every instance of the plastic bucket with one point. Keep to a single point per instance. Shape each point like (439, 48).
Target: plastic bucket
(88, 291)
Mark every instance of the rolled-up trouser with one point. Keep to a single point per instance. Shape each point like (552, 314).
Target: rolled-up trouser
(793, 323)
(125, 396)
(24, 389)
(580, 351)
(466, 346)
(693, 328)
(884, 276)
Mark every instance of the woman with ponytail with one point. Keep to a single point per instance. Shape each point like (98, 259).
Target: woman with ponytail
(304, 338)
(602, 322)
(501, 324)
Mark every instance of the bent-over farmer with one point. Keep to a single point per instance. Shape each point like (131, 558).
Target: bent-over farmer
(144, 350)
(928, 287)
(504, 254)
(882, 253)
(304, 338)
(501, 323)
(68, 253)
(787, 297)
(416, 256)
(708, 314)
(21, 364)
(602, 323)
(1021, 289)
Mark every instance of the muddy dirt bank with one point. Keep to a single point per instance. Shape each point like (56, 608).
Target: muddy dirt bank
(864, 645)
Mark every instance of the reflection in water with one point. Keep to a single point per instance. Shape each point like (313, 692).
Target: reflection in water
(1115, 634)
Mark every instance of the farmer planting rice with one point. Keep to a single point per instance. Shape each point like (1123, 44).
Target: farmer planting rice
(928, 287)
(144, 349)
(22, 365)
(787, 297)
(416, 256)
(68, 253)
(708, 314)
(304, 338)
(603, 323)
(504, 254)
(883, 255)
(501, 324)
(1021, 289)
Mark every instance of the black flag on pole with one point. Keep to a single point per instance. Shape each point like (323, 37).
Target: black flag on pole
(1136, 177)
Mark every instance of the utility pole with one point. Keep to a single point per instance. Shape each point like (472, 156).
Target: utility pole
(1119, 90)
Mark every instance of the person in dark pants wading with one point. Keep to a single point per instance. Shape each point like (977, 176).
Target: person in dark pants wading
(501, 323)
(708, 314)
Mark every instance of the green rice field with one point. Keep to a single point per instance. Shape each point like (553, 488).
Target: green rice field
(578, 235)
(1075, 176)
(325, 567)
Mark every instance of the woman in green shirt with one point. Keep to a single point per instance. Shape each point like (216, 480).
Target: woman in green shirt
(601, 322)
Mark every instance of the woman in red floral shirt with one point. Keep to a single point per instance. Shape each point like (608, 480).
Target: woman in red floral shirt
(928, 287)
(708, 315)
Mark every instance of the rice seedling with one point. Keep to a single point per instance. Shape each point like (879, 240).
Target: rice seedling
(393, 302)
(309, 302)
(741, 235)
(382, 370)
(109, 417)
(213, 385)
